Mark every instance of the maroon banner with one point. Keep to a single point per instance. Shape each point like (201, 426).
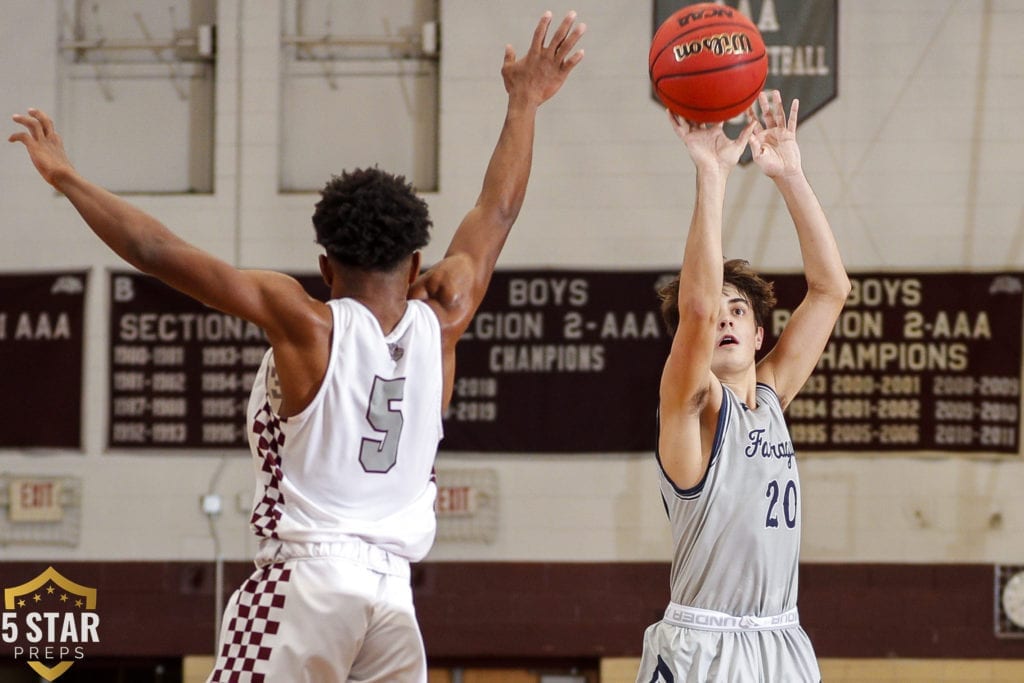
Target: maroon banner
(917, 362)
(570, 362)
(180, 372)
(41, 359)
(560, 362)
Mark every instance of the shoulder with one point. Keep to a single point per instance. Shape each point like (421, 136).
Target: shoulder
(306, 324)
(425, 313)
(766, 393)
(448, 290)
(768, 378)
(447, 283)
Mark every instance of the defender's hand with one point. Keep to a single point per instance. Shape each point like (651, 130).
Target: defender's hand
(44, 145)
(543, 70)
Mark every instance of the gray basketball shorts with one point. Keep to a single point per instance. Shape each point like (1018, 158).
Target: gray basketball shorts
(677, 654)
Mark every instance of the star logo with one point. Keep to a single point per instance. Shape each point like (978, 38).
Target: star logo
(44, 617)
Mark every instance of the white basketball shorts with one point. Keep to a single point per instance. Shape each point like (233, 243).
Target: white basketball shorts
(322, 613)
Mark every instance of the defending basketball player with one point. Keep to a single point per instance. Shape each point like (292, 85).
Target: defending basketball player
(728, 468)
(345, 413)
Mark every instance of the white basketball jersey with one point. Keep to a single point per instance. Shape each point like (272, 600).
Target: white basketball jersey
(358, 460)
(737, 533)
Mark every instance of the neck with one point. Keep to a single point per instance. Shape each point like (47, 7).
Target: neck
(384, 293)
(743, 384)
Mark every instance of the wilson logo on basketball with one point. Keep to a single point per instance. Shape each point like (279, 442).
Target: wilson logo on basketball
(707, 65)
(722, 44)
(800, 52)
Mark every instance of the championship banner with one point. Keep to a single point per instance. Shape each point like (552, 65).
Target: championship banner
(531, 374)
(560, 362)
(180, 372)
(801, 38)
(917, 362)
(570, 362)
(41, 318)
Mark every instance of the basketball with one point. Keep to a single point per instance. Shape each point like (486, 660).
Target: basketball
(708, 62)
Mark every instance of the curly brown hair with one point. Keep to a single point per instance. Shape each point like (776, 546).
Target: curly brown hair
(739, 274)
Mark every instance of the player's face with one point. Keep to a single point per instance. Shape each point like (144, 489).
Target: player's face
(738, 337)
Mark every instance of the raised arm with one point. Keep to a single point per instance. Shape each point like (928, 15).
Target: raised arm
(275, 302)
(775, 150)
(296, 324)
(690, 394)
(455, 286)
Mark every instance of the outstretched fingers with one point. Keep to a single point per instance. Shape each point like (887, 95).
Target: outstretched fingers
(754, 139)
(768, 111)
(562, 32)
(44, 120)
(747, 134)
(563, 40)
(541, 32)
(43, 143)
(567, 36)
(794, 108)
(32, 125)
(37, 125)
(574, 59)
(544, 68)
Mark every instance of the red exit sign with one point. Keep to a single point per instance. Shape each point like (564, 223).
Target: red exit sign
(455, 501)
(35, 500)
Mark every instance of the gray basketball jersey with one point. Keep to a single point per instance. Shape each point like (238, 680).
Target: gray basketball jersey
(737, 532)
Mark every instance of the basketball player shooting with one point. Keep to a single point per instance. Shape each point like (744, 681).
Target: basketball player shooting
(345, 414)
(728, 469)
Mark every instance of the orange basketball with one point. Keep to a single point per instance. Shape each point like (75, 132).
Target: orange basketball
(708, 62)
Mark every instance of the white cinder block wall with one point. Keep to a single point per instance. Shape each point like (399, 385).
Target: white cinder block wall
(918, 163)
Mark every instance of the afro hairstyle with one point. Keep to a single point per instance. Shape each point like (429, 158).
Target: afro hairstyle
(367, 218)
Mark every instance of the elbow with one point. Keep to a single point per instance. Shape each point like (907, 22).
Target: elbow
(503, 212)
(140, 256)
(846, 288)
(698, 308)
(843, 287)
(502, 207)
(836, 290)
(697, 313)
(836, 293)
(147, 255)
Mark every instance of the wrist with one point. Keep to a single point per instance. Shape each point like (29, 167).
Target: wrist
(712, 173)
(61, 178)
(522, 103)
(711, 186)
(792, 178)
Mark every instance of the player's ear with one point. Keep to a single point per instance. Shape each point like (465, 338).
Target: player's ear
(414, 266)
(326, 272)
(758, 338)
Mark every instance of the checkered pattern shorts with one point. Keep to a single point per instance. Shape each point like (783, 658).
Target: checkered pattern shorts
(320, 620)
(252, 621)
